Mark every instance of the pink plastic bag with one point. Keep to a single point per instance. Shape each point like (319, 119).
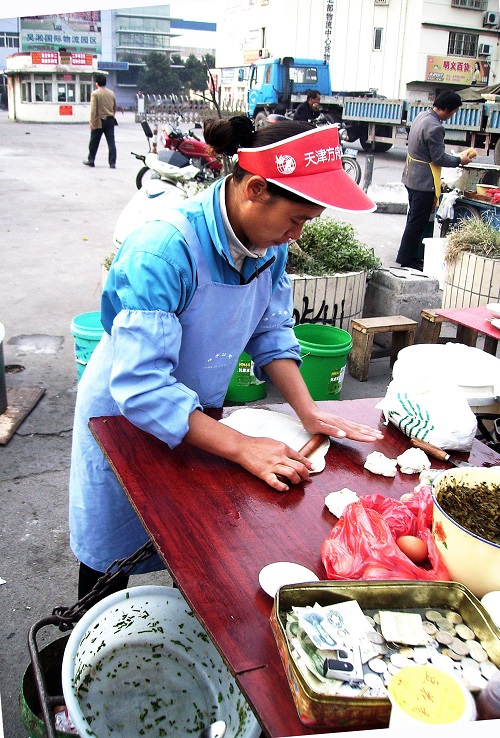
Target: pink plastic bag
(362, 545)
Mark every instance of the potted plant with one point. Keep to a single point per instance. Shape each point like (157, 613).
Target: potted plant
(472, 258)
(329, 269)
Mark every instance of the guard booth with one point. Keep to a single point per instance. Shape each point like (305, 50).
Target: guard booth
(50, 86)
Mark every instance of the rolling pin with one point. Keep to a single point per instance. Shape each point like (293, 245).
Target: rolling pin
(307, 449)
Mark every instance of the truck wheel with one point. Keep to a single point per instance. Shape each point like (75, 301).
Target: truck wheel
(351, 166)
(365, 145)
(260, 120)
(497, 152)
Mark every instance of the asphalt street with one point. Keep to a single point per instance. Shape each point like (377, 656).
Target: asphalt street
(57, 220)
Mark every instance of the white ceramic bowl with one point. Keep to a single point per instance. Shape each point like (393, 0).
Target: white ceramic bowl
(470, 559)
(494, 309)
(139, 663)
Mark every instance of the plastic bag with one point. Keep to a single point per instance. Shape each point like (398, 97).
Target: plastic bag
(362, 544)
(431, 409)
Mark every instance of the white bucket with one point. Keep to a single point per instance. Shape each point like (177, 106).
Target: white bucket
(434, 265)
(139, 663)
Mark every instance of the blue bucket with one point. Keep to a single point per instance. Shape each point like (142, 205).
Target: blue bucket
(87, 331)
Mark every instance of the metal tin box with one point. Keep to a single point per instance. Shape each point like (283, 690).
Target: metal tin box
(370, 712)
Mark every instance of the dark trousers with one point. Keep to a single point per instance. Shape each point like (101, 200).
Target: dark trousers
(420, 206)
(108, 128)
(87, 579)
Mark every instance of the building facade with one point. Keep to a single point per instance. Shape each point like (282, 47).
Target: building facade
(403, 49)
(119, 41)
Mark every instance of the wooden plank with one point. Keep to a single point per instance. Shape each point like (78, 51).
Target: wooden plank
(20, 402)
(384, 324)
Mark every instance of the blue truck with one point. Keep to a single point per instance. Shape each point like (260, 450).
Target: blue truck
(373, 119)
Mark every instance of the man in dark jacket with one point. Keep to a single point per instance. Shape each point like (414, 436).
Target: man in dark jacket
(102, 120)
(422, 173)
(308, 110)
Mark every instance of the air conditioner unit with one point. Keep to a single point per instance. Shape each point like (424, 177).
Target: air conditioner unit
(484, 49)
(264, 53)
(491, 19)
(381, 2)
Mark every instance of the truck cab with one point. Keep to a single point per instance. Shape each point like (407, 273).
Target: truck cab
(282, 81)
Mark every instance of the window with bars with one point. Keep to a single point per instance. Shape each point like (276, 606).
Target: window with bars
(471, 4)
(377, 39)
(463, 44)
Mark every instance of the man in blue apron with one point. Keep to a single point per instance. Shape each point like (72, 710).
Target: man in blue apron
(184, 297)
(422, 172)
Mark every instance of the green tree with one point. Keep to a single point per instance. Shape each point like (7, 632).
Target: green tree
(194, 75)
(158, 77)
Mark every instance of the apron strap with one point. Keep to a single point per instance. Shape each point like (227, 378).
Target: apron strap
(179, 221)
(435, 170)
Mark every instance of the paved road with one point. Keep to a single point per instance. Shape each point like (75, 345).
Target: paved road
(57, 221)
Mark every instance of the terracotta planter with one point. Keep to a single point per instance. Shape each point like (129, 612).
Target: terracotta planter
(335, 299)
(471, 281)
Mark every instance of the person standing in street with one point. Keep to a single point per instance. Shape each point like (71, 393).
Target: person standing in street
(422, 172)
(308, 110)
(102, 120)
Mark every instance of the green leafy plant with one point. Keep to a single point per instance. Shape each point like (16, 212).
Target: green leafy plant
(107, 261)
(329, 246)
(475, 235)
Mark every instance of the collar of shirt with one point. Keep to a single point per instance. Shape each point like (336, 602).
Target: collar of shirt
(237, 250)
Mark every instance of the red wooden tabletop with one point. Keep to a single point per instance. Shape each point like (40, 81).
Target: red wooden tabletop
(476, 318)
(216, 526)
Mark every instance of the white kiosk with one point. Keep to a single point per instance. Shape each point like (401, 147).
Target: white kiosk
(50, 86)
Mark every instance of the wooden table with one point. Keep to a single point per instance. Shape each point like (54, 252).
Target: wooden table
(215, 526)
(470, 322)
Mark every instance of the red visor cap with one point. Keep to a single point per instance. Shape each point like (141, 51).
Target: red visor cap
(309, 164)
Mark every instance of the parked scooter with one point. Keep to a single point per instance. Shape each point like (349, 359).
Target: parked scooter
(166, 164)
(194, 148)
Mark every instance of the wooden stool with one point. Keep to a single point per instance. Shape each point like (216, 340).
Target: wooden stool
(363, 330)
(430, 328)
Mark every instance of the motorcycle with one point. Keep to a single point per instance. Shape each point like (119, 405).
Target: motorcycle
(194, 148)
(166, 164)
(350, 164)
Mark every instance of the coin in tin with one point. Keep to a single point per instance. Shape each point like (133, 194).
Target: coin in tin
(375, 637)
(371, 621)
(464, 632)
(399, 660)
(381, 649)
(451, 654)
(487, 669)
(444, 638)
(406, 651)
(421, 655)
(453, 617)
(478, 653)
(377, 665)
(442, 662)
(433, 615)
(468, 663)
(429, 628)
(393, 669)
(459, 647)
(374, 681)
(444, 624)
(376, 618)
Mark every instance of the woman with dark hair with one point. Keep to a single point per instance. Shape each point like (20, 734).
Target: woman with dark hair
(184, 297)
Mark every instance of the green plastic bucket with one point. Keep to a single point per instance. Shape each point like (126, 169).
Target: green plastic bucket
(87, 331)
(244, 385)
(324, 350)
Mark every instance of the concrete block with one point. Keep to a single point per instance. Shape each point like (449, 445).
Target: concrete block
(399, 291)
(391, 197)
